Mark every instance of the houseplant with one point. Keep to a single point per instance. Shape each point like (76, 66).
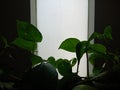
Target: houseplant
(26, 44)
(109, 63)
(18, 60)
(64, 66)
(107, 72)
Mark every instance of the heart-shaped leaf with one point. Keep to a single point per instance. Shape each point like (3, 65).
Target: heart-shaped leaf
(28, 31)
(69, 44)
(108, 32)
(52, 61)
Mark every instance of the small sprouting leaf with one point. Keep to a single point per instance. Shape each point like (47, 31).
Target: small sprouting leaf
(69, 44)
(52, 61)
(58, 61)
(29, 45)
(28, 31)
(35, 59)
(107, 32)
(99, 48)
(73, 61)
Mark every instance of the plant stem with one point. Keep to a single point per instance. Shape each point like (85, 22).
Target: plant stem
(78, 66)
(87, 66)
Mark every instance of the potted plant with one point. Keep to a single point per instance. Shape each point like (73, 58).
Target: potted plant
(106, 64)
(20, 66)
(93, 51)
(38, 70)
(106, 71)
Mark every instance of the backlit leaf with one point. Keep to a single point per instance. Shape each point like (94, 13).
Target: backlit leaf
(69, 44)
(28, 31)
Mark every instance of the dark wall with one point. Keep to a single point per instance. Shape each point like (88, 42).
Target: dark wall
(10, 11)
(107, 12)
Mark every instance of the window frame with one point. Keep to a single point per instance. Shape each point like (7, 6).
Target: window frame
(91, 17)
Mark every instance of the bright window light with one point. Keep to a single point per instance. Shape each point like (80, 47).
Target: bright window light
(58, 20)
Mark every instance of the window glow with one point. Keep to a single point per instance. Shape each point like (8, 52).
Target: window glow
(58, 20)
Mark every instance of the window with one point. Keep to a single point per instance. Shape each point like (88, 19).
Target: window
(58, 20)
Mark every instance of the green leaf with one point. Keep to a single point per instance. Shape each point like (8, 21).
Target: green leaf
(29, 45)
(99, 48)
(94, 56)
(73, 62)
(36, 59)
(58, 61)
(108, 32)
(98, 61)
(69, 44)
(64, 68)
(106, 35)
(81, 48)
(28, 32)
(52, 61)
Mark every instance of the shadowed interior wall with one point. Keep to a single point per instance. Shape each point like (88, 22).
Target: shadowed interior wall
(107, 12)
(10, 11)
